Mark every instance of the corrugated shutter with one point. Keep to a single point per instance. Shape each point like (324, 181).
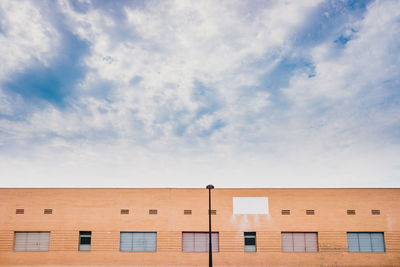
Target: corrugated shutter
(378, 243)
(198, 242)
(364, 240)
(126, 241)
(145, 241)
(215, 242)
(32, 241)
(287, 242)
(44, 241)
(311, 242)
(187, 242)
(20, 241)
(138, 241)
(298, 242)
(352, 242)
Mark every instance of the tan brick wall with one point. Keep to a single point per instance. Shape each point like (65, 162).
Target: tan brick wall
(98, 210)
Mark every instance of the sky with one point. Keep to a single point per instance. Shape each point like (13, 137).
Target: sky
(178, 93)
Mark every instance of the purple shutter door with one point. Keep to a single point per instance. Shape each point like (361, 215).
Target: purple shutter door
(215, 242)
(299, 242)
(200, 242)
(287, 242)
(311, 242)
(188, 242)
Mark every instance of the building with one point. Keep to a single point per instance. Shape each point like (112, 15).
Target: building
(167, 227)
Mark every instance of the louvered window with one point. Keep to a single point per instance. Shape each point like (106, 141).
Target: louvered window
(375, 212)
(299, 242)
(47, 211)
(19, 211)
(31, 241)
(366, 242)
(285, 212)
(138, 241)
(250, 241)
(124, 211)
(310, 212)
(85, 240)
(198, 241)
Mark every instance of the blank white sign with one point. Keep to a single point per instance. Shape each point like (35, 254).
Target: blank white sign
(250, 205)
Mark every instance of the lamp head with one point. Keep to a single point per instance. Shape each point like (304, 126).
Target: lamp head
(210, 186)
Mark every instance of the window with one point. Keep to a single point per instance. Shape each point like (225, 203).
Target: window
(376, 212)
(138, 241)
(187, 212)
(85, 240)
(310, 212)
(250, 241)
(351, 212)
(365, 242)
(19, 211)
(48, 211)
(153, 211)
(213, 212)
(198, 241)
(299, 242)
(285, 212)
(124, 211)
(31, 241)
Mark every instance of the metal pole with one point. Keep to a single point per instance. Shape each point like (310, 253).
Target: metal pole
(210, 264)
(209, 229)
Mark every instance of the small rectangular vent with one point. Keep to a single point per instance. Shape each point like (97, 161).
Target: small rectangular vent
(351, 212)
(187, 212)
(47, 211)
(310, 212)
(213, 212)
(124, 211)
(376, 212)
(153, 211)
(19, 211)
(285, 212)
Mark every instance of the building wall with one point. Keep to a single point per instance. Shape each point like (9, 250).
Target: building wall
(98, 210)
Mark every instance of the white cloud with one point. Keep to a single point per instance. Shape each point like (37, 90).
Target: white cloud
(167, 51)
(173, 44)
(27, 37)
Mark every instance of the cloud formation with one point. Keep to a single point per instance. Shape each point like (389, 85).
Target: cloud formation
(173, 93)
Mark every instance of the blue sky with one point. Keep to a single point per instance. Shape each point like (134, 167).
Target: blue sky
(187, 93)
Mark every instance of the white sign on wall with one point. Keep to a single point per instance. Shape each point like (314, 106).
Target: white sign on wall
(250, 205)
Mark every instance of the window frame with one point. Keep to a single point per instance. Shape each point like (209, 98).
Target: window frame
(137, 232)
(80, 241)
(305, 242)
(250, 235)
(207, 247)
(370, 241)
(37, 246)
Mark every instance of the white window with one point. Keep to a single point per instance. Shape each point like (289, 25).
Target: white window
(250, 205)
(299, 242)
(138, 241)
(31, 241)
(198, 241)
(365, 242)
(250, 241)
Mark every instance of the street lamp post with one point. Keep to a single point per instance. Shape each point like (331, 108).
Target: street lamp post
(209, 187)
